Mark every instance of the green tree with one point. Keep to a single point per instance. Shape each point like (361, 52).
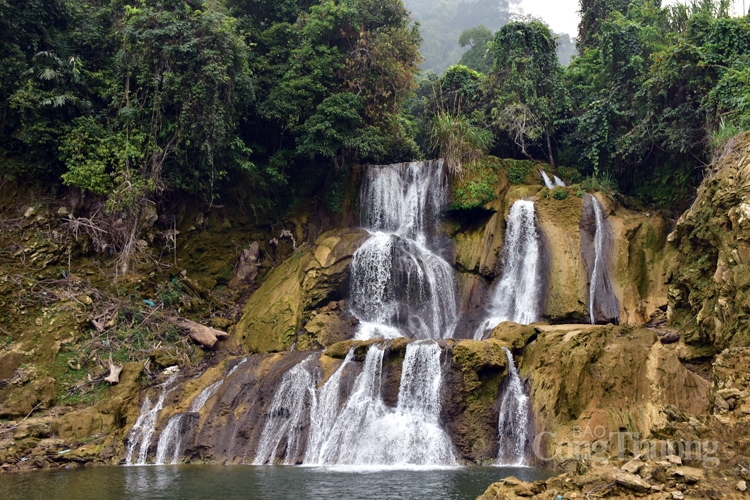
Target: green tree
(476, 57)
(527, 95)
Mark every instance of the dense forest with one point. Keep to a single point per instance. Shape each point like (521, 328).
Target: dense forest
(265, 102)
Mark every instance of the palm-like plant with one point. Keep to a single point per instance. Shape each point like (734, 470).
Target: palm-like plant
(458, 140)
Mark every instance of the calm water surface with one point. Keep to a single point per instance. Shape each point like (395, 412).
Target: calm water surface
(192, 482)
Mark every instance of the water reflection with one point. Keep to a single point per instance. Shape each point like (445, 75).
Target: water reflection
(194, 482)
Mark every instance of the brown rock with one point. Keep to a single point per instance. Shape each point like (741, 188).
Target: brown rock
(632, 482)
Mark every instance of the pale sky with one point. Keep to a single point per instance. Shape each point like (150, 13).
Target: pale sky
(562, 15)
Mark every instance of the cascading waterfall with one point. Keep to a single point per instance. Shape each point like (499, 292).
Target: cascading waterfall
(552, 183)
(517, 296)
(364, 431)
(169, 446)
(143, 429)
(513, 424)
(400, 286)
(603, 304)
(287, 415)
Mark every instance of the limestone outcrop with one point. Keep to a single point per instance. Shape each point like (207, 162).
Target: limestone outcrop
(313, 276)
(710, 277)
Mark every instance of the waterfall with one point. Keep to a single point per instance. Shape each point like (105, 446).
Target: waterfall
(603, 304)
(517, 296)
(551, 183)
(169, 446)
(170, 441)
(400, 285)
(143, 429)
(286, 417)
(200, 400)
(513, 423)
(363, 430)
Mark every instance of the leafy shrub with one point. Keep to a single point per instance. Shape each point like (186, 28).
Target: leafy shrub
(605, 183)
(518, 171)
(559, 193)
(170, 294)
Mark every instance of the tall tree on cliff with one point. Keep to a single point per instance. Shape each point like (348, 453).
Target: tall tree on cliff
(528, 99)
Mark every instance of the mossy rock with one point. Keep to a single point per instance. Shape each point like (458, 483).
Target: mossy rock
(313, 275)
(513, 336)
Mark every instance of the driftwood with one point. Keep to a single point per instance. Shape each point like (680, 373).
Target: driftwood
(114, 372)
(203, 335)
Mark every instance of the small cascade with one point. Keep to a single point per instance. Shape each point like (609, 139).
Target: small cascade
(362, 430)
(400, 285)
(552, 183)
(287, 415)
(169, 446)
(514, 424)
(170, 441)
(603, 303)
(518, 295)
(200, 400)
(143, 429)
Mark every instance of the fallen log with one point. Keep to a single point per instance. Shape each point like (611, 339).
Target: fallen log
(203, 335)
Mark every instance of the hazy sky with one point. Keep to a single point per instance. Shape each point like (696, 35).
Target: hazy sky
(562, 15)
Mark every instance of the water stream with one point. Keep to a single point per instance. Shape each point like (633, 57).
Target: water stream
(514, 425)
(143, 429)
(603, 304)
(518, 295)
(552, 183)
(363, 430)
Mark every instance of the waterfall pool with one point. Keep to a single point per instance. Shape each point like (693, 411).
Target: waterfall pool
(193, 482)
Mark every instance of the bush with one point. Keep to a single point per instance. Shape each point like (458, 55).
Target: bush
(559, 193)
(518, 172)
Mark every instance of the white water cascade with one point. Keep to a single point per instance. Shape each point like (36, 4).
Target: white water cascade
(517, 296)
(513, 423)
(552, 183)
(362, 430)
(603, 303)
(400, 285)
(169, 446)
(143, 429)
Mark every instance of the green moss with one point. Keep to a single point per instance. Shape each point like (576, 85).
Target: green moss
(478, 187)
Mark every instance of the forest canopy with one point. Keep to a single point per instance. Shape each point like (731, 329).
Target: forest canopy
(268, 102)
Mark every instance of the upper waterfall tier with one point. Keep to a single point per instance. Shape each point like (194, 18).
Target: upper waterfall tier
(399, 284)
(404, 199)
(519, 294)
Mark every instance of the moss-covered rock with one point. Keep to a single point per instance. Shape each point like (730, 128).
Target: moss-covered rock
(614, 377)
(313, 275)
(709, 292)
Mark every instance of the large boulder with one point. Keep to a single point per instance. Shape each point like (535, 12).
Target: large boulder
(313, 276)
(607, 377)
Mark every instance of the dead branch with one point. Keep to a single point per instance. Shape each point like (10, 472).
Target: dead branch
(203, 335)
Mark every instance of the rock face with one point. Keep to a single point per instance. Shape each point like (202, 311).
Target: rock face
(606, 377)
(314, 275)
(639, 259)
(710, 278)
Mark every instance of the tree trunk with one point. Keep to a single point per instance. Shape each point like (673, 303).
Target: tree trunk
(549, 151)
